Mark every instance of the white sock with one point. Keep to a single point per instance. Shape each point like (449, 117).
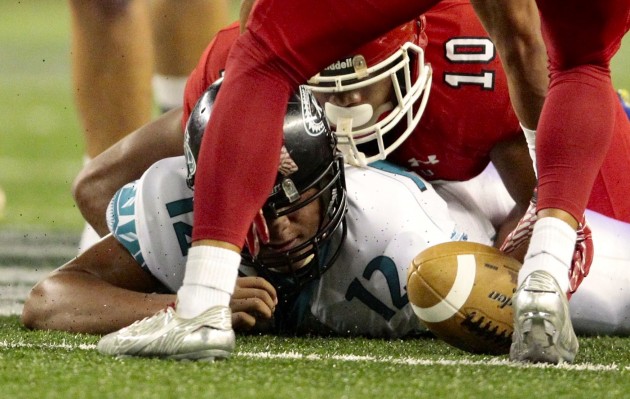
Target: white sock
(89, 237)
(209, 280)
(168, 91)
(530, 137)
(550, 249)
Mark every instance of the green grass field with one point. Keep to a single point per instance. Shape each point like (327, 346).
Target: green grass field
(40, 143)
(40, 153)
(56, 365)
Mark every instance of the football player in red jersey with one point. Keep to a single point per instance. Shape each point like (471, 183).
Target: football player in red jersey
(283, 47)
(263, 70)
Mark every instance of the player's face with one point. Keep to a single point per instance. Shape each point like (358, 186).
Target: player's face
(375, 95)
(288, 231)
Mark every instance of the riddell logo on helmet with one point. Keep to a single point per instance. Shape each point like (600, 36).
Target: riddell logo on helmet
(341, 64)
(340, 67)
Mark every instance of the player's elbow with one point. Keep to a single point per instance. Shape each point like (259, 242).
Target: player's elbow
(39, 307)
(81, 190)
(91, 196)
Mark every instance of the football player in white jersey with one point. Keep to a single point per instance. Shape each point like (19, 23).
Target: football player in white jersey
(337, 256)
(364, 251)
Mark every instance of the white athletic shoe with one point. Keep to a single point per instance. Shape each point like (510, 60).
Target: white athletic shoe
(543, 332)
(206, 337)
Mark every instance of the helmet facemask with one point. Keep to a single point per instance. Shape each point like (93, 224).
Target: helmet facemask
(289, 270)
(396, 60)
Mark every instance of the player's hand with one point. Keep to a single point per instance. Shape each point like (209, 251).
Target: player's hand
(517, 241)
(254, 300)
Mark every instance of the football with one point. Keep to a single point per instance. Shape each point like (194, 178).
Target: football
(462, 291)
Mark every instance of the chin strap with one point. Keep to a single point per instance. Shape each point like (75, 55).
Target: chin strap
(258, 233)
(582, 257)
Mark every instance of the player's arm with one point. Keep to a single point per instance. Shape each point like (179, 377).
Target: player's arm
(101, 290)
(104, 289)
(124, 162)
(514, 165)
(514, 27)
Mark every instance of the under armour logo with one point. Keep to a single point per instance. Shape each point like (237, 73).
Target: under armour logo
(431, 160)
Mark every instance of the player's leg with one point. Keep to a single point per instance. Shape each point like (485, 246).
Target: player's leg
(572, 130)
(111, 71)
(181, 31)
(573, 139)
(111, 68)
(612, 185)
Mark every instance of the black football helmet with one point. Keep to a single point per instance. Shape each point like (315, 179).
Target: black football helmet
(308, 159)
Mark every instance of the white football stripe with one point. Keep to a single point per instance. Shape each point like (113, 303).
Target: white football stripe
(410, 361)
(457, 296)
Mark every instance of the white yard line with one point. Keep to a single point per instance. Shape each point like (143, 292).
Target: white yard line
(408, 361)
(431, 362)
(15, 283)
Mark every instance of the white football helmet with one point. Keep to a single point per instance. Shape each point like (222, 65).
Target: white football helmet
(398, 56)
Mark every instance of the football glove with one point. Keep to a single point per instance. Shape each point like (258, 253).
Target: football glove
(582, 257)
(523, 231)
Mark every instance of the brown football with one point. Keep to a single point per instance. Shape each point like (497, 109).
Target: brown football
(462, 291)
